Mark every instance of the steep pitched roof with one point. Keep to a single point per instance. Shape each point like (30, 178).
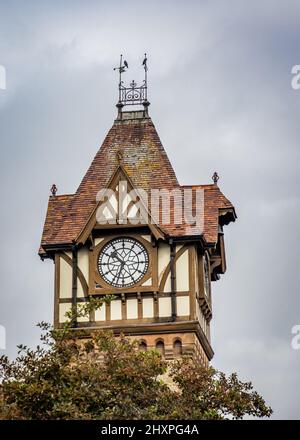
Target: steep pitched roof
(214, 202)
(135, 142)
(58, 208)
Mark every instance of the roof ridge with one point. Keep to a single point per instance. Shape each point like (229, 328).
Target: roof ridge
(200, 185)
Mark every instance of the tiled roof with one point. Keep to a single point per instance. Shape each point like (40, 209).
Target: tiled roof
(214, 201)
(58, 208)
(147, 165)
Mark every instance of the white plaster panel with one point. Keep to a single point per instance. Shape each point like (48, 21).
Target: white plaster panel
(83, 265)
(116, 309)
(168, 284)
(182, 272)
(65, 285)
(100, 313)
(132, 308)
(83, 262)
(148, 282)
(148, 308)
(83, 318)
(147, 237)
(164, 307)
(183, 305)
(98, 240)
(63, 309)
(163, 258)
(80, 293)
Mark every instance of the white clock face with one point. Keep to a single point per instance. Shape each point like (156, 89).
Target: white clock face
(123, 262)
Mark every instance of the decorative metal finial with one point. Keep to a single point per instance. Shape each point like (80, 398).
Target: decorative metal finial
(134, 94)
(53, 189)
(215, 178)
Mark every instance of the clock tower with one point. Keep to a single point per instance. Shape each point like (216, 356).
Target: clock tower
(133, 231)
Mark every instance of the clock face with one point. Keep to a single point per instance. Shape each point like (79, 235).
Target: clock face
(123, 262)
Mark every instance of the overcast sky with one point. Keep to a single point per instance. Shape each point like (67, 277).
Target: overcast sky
(221, 100)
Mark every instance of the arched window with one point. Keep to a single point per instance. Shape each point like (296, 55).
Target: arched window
(160, 346)
(143, 346)
(177, 348)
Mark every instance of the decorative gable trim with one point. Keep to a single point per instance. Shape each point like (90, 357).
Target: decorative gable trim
(119, 175)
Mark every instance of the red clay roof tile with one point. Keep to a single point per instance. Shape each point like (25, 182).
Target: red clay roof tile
(147, 165)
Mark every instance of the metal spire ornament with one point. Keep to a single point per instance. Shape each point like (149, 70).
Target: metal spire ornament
(53, 190)
(122, 68)
(215, 178)
(134, 94)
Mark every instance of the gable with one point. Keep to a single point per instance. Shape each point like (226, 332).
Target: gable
(133, 146)
(119, 204)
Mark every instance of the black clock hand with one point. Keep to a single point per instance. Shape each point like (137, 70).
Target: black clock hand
(128, 263)
(120, 271)
(114, 254)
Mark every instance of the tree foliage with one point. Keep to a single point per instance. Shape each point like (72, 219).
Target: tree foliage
(104, 377)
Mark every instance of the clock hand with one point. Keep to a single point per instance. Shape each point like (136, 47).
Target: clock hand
(134, 262)
(114, 254)
(120, 271)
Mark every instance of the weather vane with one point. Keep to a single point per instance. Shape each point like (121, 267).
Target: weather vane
(134, 94)
(122, 68)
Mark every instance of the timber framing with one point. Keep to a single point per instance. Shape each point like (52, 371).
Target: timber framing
(173, 280)
(172, 302)
(74, 284)
(98, 286)
(92, 223)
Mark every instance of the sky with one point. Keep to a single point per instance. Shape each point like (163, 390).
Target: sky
(221, 99)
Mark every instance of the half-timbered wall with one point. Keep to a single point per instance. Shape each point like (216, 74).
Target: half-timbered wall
(133, 306)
